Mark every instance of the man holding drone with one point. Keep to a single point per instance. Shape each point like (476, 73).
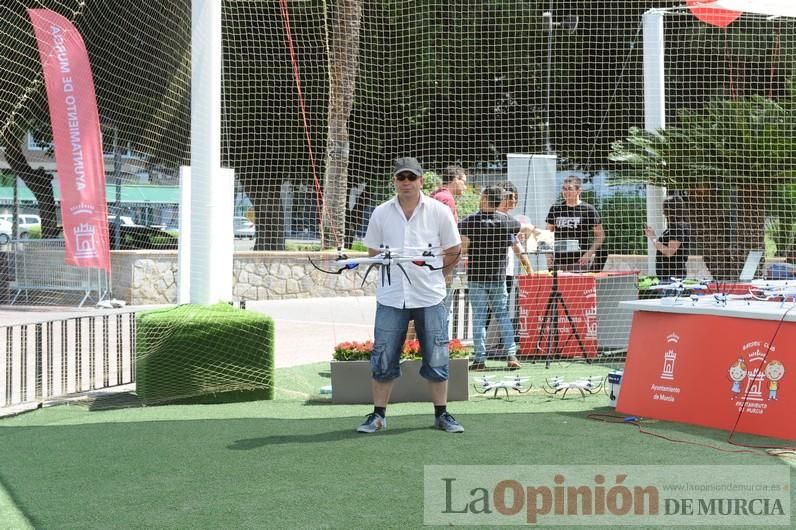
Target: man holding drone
(410, 224)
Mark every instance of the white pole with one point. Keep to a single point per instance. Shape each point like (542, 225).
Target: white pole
(211, 230)
(654, 113)
(184, 248)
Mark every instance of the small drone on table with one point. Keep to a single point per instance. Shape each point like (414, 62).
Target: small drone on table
(486, 383)
(679, 287)
(590, 385)
(386, 259)
(773, 290)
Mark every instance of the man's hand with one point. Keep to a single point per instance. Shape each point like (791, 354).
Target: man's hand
(586, 258)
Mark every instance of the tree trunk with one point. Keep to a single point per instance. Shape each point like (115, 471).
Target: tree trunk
(726, 223)
(752, 198)
(343, 63)
(38, 181)
(268, 218)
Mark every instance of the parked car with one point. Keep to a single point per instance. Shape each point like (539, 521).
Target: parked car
(24, 221)
(243, 227)
(5, 232)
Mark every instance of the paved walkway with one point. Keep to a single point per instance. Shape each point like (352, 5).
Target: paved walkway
(307, 329)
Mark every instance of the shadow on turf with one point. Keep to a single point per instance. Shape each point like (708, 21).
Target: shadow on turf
(314, 438)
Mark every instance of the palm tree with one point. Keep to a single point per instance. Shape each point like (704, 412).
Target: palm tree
(343, 62)
(729, 157)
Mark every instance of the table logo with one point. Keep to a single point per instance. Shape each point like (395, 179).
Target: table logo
(669, 357)
(755, 377)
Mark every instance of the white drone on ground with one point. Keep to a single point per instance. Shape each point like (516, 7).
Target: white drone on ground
(590, 385)
(386, 259)
(485, 383)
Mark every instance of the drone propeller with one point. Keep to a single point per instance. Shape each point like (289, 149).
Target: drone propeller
(386, 259)
(678, 285)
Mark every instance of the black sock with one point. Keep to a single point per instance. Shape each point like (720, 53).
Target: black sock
(381, 411)
(439, 410)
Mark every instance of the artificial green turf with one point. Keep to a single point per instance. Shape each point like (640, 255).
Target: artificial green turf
(297, 463)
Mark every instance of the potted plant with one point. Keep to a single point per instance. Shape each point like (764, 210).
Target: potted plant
(351, 373)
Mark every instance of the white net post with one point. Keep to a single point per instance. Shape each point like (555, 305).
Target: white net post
(654, 113)
(184, 249)
(212, 189)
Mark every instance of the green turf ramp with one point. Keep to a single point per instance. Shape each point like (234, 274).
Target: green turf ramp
(204, 354)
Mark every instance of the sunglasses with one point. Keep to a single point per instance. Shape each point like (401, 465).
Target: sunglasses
(406, 176)
(569, 188)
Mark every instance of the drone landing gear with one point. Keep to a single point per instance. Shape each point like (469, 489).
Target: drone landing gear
(588, 385)
(486, 383)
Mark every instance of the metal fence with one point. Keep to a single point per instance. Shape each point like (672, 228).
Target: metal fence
(47, 360)
(38, 265)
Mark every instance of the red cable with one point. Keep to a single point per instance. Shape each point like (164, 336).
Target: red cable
(727, 58)
(773, 71)
(294, 61)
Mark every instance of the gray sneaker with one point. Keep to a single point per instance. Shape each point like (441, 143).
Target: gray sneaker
(373, 422)
(447, 423)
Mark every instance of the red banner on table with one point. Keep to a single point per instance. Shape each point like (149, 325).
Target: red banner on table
(562, 326)
(77, 139)
(720, 372)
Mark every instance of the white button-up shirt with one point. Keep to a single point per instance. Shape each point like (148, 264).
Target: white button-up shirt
(431, 223)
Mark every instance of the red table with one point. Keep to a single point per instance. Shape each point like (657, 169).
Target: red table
(579, 295)
(714, 366)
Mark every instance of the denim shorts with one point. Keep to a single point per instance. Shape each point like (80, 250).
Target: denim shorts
(431, 326)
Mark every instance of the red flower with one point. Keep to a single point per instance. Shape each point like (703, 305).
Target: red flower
(360, 351)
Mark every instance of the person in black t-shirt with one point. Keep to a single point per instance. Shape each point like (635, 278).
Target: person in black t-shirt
(486, 236)
(671, 247)
(573, 219)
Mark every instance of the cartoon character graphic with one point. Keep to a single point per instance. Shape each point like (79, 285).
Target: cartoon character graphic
(775, 370)
(737, 374)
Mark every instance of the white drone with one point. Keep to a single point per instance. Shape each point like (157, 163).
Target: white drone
(386, 258)
(680, 286)
(590, 385)
(486, 383)
(782, 290)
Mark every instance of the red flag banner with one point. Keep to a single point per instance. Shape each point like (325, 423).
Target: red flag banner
(709, 11)
(77, 139)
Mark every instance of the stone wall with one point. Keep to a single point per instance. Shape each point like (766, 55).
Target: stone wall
(150, 277)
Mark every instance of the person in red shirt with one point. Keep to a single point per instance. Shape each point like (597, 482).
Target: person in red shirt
(454, 182)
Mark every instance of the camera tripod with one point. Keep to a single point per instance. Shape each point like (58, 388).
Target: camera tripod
(555, 302)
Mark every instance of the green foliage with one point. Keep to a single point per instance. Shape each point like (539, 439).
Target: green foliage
(34, 232)
(359, 246)
(468, 202)
(6, 178)
(143, 237)
(781, 224)
(431, 181)
(750, 139)
(623, 218)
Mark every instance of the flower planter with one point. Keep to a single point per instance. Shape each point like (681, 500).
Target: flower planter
(351, 382)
